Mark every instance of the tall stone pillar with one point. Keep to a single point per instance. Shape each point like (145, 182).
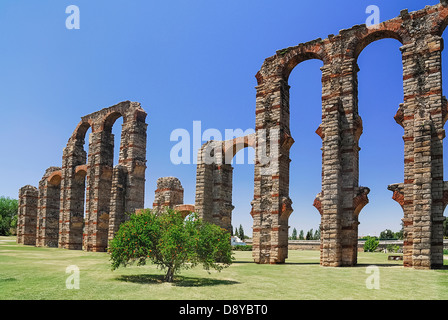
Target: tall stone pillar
(423, 122)
(118, 200)
(27, 215)
(214, 185)
(330, 197)
(133, 155)
(205, 182)
(49, 208)
(341, 199)
(73, 188)
(271, 206)
(99, 177)
(128, 182)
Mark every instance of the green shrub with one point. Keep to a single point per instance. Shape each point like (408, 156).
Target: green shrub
(371, 244)
(170, 242)
(239, 247)
(393, 248)
(8, 215)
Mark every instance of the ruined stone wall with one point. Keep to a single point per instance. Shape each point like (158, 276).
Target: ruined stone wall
(169, 194)
(91, 185)
(422, 115)
(109, 192)
(214, 177)
(27, 215)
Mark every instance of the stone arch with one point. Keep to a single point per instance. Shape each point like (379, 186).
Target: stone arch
(285, 60)
(274, 138)
(73, 188)
(295, 56)
(110, 118)
(232, 147)
(108, 191)
(366, 36)
(360, 40)
(81, 129)
(341, 199)
(214, 179)
(114, 190)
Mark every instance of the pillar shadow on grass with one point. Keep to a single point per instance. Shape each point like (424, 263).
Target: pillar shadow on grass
(179, 281)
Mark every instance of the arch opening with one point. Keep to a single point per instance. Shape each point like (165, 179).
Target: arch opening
(306, 152)
(241, 184)
(361, 44)
(381, 153)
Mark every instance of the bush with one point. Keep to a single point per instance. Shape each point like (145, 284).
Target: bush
(8, 215)
(371, 244)
(393, 248)
(171, 242)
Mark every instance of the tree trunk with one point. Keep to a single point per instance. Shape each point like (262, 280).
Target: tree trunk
(169, 277)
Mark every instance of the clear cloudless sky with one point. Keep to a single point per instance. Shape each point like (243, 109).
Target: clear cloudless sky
(188, 61)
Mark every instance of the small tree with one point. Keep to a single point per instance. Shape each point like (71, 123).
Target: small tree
(294, 234)
(371, 244)
(309, 235)
(387, 234)
(241, 233)
(171, 242)
(301, 237)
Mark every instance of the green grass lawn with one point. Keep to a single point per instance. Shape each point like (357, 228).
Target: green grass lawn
(32, 273)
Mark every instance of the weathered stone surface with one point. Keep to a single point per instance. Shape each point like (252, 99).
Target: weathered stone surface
(47, 231)
(91, 185)
(422, 115)
(423, 195)
(214, 175)
(27, 215)
(169, 194)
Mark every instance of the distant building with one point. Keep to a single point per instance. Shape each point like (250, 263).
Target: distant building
(235, 241)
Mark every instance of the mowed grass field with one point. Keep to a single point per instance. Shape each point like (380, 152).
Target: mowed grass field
(31, 273)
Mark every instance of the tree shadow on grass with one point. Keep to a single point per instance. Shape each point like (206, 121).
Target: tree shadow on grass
(179, 281)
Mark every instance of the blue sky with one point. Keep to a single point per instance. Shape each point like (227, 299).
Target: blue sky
(188, 61)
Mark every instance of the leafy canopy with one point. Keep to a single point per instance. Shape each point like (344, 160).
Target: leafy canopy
(8, 215)
(171, 242)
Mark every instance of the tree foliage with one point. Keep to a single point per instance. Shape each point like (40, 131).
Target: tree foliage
(8, 215)
(310, 235)
(387, 234)
(371, 244)
(294, 234)
(170, 242)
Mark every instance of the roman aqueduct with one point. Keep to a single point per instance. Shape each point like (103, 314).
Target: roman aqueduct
(52, 215)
